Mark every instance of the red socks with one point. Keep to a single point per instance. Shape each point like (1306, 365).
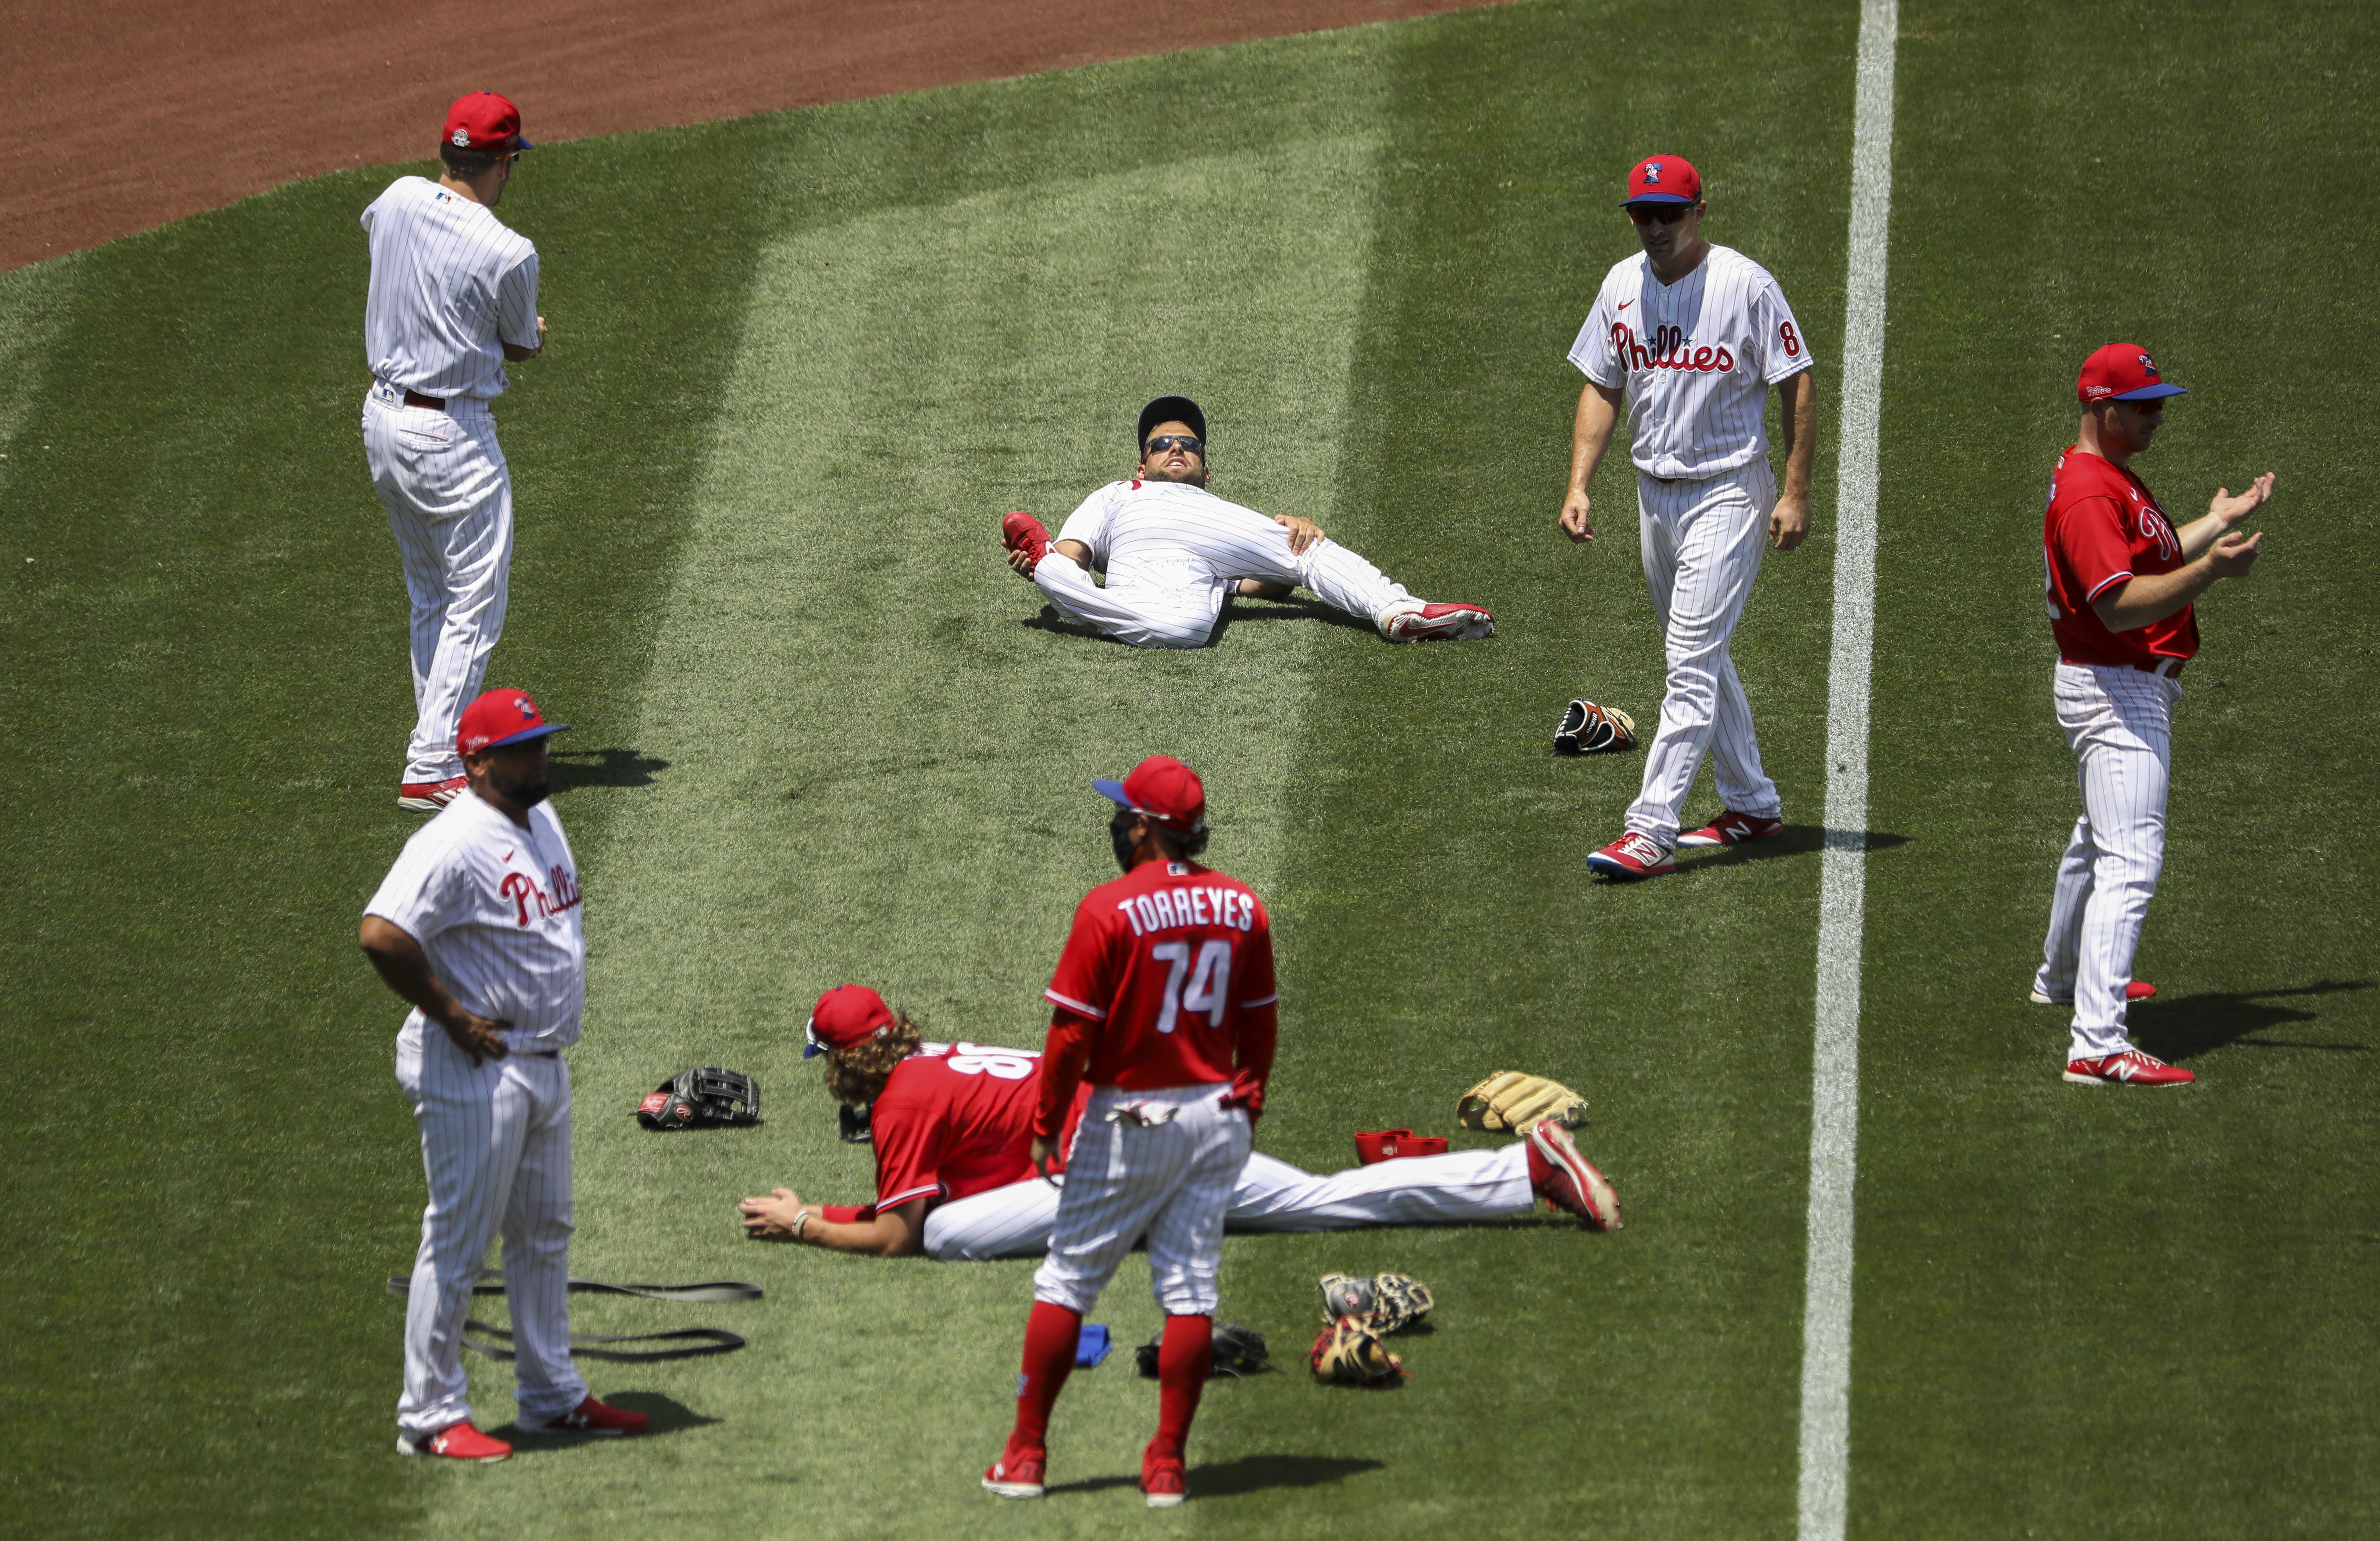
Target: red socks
(1050, 1336)
(1183, 1359)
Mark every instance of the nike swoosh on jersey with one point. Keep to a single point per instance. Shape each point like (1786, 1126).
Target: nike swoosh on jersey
(1626, 303)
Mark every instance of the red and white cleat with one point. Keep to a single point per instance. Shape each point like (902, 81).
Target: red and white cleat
(1014, 1476)
(1734, 829)
(1632, 856)
(594, 1418)
(430, 797)
(2139, 989)
(1439, 623)
(1567, 1180)
(1022, 532)
(2131, 1068)
(1162, 1479)
(456, 1442)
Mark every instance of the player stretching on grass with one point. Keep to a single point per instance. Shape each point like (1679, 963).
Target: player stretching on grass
(953, 1128)
(1173, 552)
(2121, 581)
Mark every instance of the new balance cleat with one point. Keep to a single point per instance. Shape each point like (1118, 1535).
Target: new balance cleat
(1734, 829)
(1632, 856)
(2131, 1068)
(594, 1418)
(456, 1442)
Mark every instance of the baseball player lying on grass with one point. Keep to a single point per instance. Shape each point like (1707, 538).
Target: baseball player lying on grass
(954, 1178)
(1173, 552)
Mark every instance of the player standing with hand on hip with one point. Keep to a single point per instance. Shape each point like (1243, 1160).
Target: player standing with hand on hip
(1686, 338)
(477, 926)
(2120, 582)
(453, 299)
(1166, 1004)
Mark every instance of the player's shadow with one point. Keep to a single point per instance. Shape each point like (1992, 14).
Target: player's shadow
(1297, 607)
(1799, 839)
(669, 1416)
(567, 769)
(1249, 1474)
(2180, 1029)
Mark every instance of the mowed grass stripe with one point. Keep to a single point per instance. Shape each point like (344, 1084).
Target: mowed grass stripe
(877, 767)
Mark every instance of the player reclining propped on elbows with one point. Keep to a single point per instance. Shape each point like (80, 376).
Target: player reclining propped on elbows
(1173, 552)
(953, 1126)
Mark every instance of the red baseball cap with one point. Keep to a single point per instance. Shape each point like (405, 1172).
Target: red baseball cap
(502, 717)
(2122, 372)
(1161, 788)
(1663, 179)
(844, 1017)
(484, 121)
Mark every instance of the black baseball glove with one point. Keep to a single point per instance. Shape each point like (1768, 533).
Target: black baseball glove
(1239, 1349)
(1588, 729)
(702, 1096)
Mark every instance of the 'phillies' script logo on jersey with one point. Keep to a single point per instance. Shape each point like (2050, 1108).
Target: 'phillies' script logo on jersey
(1170, 908)
(2154, 526)
(1667, 351)
(521, 888)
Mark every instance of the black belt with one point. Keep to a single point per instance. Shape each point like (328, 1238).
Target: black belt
(435, 404)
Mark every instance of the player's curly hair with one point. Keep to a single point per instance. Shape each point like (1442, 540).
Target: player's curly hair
(856, 1076)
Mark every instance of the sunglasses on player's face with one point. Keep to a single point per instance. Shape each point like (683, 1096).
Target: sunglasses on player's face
(1664, 213)
(1165, 444)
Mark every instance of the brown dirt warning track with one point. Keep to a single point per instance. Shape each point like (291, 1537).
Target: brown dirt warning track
(128, 113)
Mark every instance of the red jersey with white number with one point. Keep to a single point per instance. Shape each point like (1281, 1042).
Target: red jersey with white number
(1166, 981)
(955, 1119)
(2102, 527)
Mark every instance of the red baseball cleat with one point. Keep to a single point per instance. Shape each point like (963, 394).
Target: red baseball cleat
(1440, 623)
(1734, 829)
(1570, 1181)
(1160, 1478)
(594, 1418)
(1632, 856)
(456, 1442)
(2139, 989)
(1022, 532)
(1014, 1476)
(2131, 1068)
(430, 797)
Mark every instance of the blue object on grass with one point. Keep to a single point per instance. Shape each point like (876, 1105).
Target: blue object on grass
(1092, 1346)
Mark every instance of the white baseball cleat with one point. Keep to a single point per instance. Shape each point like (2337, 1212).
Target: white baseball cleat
(1439, 623)
(430, 797)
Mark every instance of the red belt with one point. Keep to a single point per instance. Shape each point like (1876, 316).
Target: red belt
(435, 404)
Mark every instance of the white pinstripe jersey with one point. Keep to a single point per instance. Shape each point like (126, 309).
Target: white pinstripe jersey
(497, 908)
(450, 286)
(1168, 532)
(1698, 357)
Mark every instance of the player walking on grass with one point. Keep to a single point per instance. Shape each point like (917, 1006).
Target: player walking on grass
(1173, 551)
(1686, 338)
(453, 299)
(952, 1129)
(1164, 1003)
(2122, 581)
(477, 926)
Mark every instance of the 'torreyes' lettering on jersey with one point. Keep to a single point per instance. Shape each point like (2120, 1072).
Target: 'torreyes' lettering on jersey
(1668, 351)
(520, 888)
(1170, 909)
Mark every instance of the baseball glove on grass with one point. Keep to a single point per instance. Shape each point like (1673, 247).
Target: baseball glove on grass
(1382, 1305)
(1588, 729)
(703, 1095)
(1349, 1354)
(1510, 1100)
(1239, 1349)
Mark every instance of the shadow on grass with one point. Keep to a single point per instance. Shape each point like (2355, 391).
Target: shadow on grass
(2183, 1027)
(1798, 839)
(569, 768)
(1240, 608)
(1249, 1474)
(669, 1416)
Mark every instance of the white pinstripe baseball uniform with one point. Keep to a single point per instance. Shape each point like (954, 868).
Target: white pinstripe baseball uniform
(1173, 553)
(1698, 359)
(496, 909)
(450, 286)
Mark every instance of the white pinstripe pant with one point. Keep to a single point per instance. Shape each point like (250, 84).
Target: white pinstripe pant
(1703, 541)
(495, 1146)
(1268, 1195)
(1176, 604)
(1170, 1182)
(449, 496)
(2119, 722)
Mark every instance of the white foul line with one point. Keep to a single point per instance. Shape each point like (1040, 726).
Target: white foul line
(1843, 886)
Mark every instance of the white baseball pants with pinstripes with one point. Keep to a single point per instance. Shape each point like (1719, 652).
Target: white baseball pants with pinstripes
(1177, 606)
(495, 1145)
(2119, 722)
(449, 496)
(1015, 1221)
(1703, 541)
(1168, 1182)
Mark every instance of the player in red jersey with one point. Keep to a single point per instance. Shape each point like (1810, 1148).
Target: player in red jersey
(2121, 582)
(1165, 1004)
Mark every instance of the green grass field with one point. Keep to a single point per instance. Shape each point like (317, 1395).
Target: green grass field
(801, 365)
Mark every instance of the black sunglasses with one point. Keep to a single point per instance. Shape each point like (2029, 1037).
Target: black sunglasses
(1187, 443)
(1664, 213)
